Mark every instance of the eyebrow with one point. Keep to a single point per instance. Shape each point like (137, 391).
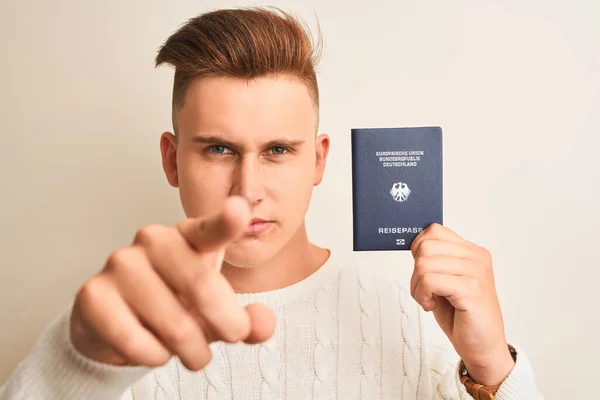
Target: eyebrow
(212, 139)
(215, 139)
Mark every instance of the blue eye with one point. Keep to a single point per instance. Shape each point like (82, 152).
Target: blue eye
(218, 149)
(277, 150)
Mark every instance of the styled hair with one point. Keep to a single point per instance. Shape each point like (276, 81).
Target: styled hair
(243, 43)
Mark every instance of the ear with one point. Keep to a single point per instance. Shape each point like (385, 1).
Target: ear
(168, 150)
(321, 149)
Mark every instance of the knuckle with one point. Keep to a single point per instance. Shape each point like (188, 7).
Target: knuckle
(123, 262)
(486, 253)
(427, 247)
(435, 228)
(121, 258)
(421, 264)
(90, 294)
(149, 235)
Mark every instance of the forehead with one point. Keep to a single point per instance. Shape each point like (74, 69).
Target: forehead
(265, 106)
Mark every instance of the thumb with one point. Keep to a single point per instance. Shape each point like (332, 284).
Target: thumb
(262, 323)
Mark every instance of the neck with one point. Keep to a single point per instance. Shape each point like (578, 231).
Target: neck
(294, 262)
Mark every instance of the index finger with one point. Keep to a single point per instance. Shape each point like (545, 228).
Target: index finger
(436, 231)
(213, 232)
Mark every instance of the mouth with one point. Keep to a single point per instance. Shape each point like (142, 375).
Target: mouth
(257, 225)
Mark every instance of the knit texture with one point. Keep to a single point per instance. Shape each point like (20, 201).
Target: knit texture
(347, 331)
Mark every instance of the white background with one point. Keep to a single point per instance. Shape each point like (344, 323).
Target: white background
(515, 86)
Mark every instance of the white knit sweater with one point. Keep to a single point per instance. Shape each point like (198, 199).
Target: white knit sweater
(345, 332)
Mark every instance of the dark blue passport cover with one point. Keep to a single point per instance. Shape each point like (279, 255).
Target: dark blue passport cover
(397, 180)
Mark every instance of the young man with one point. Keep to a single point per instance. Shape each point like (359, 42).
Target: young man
(235, 302)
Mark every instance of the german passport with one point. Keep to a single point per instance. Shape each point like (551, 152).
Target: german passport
(397, 180)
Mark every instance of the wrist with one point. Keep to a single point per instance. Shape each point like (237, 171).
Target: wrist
(494, 372)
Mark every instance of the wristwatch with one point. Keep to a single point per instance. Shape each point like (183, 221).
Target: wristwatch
(478, 391)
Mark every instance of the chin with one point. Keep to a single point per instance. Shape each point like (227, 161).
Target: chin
(254, 251)
(249, 253)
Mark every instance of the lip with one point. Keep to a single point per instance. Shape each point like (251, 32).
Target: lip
(257, 225)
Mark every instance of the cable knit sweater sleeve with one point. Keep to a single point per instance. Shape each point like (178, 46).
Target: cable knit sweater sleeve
(55, 370)
(444, 366)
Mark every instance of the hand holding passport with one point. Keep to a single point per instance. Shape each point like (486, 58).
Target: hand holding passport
(396, 185)
(397, 181)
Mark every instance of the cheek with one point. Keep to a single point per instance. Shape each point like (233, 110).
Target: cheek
(291, 188)
(202, 190)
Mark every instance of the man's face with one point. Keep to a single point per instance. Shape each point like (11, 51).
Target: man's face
(254, 139)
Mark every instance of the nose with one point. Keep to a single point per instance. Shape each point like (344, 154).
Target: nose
(248, 180)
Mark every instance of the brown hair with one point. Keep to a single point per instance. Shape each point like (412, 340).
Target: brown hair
(244, 43)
